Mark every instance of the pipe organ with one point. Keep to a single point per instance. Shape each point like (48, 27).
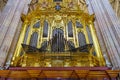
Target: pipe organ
(57, 33)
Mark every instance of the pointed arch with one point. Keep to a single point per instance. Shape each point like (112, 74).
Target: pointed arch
(34, 39)
(45, 29)
(81, 39)
(58, 44)
(37, 24)
(70, 29)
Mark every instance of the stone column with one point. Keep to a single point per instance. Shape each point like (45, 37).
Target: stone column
(16, 36)
(0, 12)
(108, 29)
(9, 21)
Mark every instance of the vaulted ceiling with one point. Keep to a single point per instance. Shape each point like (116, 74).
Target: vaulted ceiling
(115, 4)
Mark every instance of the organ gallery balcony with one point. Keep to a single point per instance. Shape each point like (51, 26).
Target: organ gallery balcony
(56, 59)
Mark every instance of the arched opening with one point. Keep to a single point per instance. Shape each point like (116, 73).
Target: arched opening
(36, 25)
(45, 29)
(58, 41)
(34, 39)
(82, 42)
(81, 39)
(70, 29)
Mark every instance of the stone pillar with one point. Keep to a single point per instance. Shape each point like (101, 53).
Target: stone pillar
(9, 21)
(108, 29)
(16, 36)
(0, 12)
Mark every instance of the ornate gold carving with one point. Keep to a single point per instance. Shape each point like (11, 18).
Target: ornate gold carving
(58, 19)
(23, 17)
(40, 60)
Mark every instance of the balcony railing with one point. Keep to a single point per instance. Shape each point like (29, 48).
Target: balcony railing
(63, 59)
